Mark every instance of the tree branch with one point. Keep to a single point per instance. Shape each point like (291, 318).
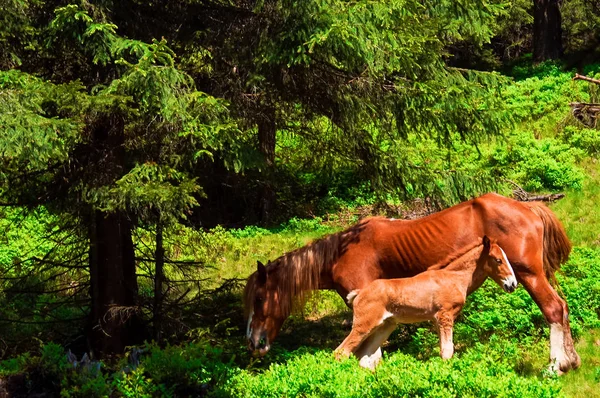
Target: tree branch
(587, 79)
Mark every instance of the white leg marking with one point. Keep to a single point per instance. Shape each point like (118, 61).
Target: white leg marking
(557, 347)
(371, 361)
(248, 328)
(369, 352)
(447, 344)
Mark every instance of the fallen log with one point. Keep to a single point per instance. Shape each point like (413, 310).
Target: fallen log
(585, 112)
(523, 196)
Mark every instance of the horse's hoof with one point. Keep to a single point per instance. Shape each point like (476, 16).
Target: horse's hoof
(555, 368)
(575, 360)
(560, 368)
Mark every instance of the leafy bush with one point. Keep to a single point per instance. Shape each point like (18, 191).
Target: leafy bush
(484, 371)
(538, 164)
(52, 374)
(190, 366)
(582, 138)
(580, 282)
(305, 225)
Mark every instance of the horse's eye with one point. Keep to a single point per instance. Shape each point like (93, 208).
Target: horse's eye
(499, 261)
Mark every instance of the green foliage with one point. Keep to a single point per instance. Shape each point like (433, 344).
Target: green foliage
(137, 384)
(193, 367)
(491, 372)
(583, 138)
(538, 164)
(51, 373)
(34, 135)
(305, 225)
(543, 95)
(580, 21)
(17, 34)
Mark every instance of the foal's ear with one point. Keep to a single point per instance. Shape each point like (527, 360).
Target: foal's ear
(262, 272)
(486, 242)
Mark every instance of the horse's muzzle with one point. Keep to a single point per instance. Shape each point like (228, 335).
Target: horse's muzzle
(510, 285)
(259, 348)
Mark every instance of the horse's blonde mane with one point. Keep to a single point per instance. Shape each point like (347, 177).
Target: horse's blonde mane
(299, 272)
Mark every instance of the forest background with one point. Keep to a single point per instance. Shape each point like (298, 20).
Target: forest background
(152, 152)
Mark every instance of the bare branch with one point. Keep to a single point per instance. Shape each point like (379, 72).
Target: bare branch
(585, 78)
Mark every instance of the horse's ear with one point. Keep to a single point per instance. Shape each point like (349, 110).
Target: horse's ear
(262, 272)
(486, 242)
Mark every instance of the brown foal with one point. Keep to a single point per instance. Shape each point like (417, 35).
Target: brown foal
(435, 295)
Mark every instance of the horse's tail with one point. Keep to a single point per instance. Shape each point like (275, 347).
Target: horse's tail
(557, 246)
(352, 296)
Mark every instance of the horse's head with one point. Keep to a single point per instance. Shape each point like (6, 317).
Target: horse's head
(263, 311)
(497, 265)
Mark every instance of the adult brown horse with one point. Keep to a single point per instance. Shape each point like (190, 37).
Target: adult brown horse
(377, 248)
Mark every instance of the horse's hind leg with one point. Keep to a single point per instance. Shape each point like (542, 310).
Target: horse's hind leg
(562, 351)
(526, 256)
(369, 352)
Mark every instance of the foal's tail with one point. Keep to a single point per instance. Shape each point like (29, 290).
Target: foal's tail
(556, 243)
(351, 296)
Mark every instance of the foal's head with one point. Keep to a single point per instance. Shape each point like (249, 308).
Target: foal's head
(265, 311)
(497, 266)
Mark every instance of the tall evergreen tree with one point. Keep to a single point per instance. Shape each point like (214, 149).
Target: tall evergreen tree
(547, 30)
(111, 142)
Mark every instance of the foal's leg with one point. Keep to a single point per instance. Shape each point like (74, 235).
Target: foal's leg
(369, 352)
(360, 332)
(562, 351)
(445, 323)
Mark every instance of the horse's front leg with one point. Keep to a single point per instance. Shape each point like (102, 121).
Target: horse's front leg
(445, 325)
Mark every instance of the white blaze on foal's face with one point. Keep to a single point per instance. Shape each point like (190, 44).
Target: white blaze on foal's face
(509, 283)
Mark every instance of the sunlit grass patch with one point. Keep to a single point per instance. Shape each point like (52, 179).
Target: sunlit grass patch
(580, 211)
(585, 382)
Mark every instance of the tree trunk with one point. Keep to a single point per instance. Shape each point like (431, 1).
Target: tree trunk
(547, 31)
(266, 135)
(114, 319)
(266, 140)
(158, 280)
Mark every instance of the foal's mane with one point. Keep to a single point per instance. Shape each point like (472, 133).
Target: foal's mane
(299, 272)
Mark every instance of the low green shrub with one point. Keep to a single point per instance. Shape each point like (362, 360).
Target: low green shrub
(538, 164)
(582, 138)
(51, 374)
(305, 225)
(483, 371)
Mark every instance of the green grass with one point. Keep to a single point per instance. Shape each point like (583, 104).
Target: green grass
(579, 210)
(585, 382)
